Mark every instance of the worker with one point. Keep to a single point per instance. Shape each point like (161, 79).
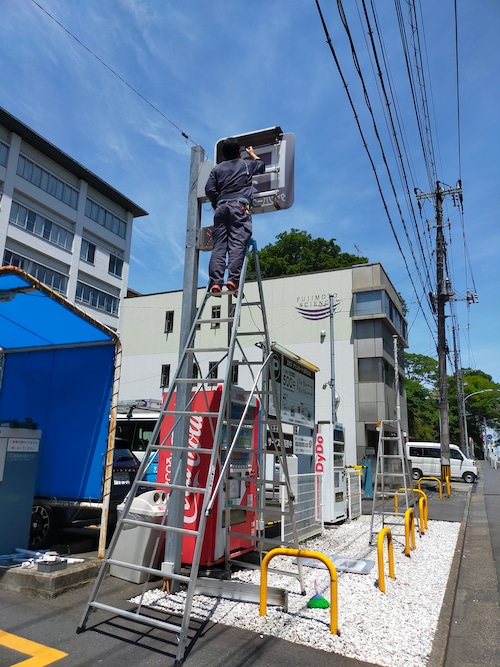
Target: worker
(229, 189)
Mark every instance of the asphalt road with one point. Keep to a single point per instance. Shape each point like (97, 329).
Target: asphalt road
(468, 638)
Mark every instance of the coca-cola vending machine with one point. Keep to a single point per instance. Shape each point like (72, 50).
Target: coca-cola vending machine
(240, 489)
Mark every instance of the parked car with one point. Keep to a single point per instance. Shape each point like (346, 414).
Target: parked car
(49, 518)
(425, 459)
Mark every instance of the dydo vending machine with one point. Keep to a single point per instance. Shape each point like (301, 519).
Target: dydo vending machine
(238, 495)
(330, 461)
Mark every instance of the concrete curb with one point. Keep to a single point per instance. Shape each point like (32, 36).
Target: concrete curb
(441, 638)
(49, 585)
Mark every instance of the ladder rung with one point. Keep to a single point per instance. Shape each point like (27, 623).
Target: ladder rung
(247, 508)
(206, 349)
(250, 333)
(391, 456)
(189, 413)
(212, 320)
(183, 487)
(175, 448)
(149, 620)
(161, 527)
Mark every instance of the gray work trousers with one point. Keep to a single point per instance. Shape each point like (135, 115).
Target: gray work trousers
(232, 231)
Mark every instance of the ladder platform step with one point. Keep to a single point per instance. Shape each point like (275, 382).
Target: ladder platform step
(240, 590)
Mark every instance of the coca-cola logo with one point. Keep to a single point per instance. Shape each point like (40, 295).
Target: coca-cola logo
(193, 501)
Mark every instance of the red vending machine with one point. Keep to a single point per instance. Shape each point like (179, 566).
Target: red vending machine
(239, 491)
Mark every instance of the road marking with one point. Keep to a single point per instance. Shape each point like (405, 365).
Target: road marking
(40, 655)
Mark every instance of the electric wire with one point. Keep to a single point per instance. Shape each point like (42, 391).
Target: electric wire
(363, 138)
(115, 73)
(400, 150)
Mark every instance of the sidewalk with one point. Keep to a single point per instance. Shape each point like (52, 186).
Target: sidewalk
(474, 631)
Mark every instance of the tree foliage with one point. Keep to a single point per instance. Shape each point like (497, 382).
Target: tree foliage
(297, 252)
(481, 400)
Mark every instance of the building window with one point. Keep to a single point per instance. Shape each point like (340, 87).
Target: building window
(169, 321)
(4, 153)
(115, 266)
(95, 298)
(378, 302)
(369, 370)
(195, 374)
(47, 182)
(87, 251)
(234, 372)
(215, 316)
(212, 369)
(39, 226)
(53, 279)
(105, 218)
(165, 376)
(368, 303)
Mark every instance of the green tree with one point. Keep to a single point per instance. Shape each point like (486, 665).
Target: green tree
(423, 412)
(482, 404)
(297, 252)
(421, 382)
(422, 369)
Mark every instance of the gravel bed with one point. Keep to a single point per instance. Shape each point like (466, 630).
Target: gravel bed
(392, 629)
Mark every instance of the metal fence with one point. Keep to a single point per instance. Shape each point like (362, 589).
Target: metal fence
(308, 500)
(354, 505)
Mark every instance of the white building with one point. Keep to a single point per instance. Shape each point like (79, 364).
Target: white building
(367, 316)
(62, 224)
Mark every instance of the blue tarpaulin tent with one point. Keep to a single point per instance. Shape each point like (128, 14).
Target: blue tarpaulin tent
(57, 368)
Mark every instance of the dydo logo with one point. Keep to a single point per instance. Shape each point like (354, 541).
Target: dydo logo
(320, 453)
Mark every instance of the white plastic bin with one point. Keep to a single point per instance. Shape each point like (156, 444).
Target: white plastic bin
(136, 543)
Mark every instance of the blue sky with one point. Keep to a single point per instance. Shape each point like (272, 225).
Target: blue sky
(212, 69)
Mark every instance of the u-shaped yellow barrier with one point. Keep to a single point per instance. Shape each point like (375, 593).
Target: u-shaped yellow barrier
(302, 553)
(409, 530)
(380, 556)
(439, 483)
(423, 507)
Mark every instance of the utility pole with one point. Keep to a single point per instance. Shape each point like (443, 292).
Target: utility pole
(173, 546)
(464, 445)
(443, 294)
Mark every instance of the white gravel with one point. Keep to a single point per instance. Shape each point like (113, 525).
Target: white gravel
(392, 629)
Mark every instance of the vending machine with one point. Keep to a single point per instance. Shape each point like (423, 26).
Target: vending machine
(330, 462)
(236, 499)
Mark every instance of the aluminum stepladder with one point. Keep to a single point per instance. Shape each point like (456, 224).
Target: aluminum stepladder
(392, 478)
(175, 441)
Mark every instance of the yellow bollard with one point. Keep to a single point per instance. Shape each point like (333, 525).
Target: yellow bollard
(302, 553)
(380, 556)
(409, 529)
(423, 507)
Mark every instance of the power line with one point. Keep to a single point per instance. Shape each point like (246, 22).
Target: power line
(362, 134)
(110, 69)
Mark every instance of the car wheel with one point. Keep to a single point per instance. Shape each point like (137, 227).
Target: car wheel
(44, 527)
(469, 477)
(416, 474)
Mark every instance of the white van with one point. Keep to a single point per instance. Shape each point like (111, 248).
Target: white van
(425, 460)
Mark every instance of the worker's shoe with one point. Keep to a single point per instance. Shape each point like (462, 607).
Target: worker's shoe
(232, 287)
(216, 289)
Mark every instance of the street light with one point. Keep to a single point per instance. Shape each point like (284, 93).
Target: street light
(481, 391)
